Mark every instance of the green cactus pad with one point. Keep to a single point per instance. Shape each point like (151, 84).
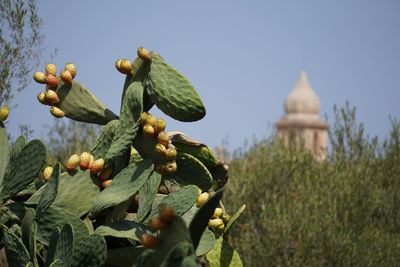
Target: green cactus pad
(79, 104)
(180, 201)
(24, 169)
(16, 253)
(123, 257)
(190, 261)
(105, 139)
(234, 218)
(122, 229)
(17, 147)
(65, 245)
(49, 192)
(28, 229)
(207, 242)
(52, 247)
(191, 171)
(3, 151)
(200, 220)
(223, 255)
(123, 186)
(146, 196)
(57, 263)
(57, 217)
(177, 254)
(90, 252)
(76, 192)
(172, 92)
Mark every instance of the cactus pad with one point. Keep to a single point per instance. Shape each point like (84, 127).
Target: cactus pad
(90, 252)
(177, 254)
(234, 218)
(207, 242)
(105, 139)
(16, 252)
(122, 229)
(172, 92)
(49, 192)
(24, 169)
(222, 255)
(65, 245)
(146, 196)
(3, 151)
(28, 229)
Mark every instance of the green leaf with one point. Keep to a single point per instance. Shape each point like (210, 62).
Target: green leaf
(49, 192)
(122, 229)
(147, 194)
(234, 218)
(222, 255)
(24, 169)
(207, 242)
(123, 186)
(3, 151)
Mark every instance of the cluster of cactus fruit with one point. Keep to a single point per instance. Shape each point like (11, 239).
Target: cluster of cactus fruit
(163, 206)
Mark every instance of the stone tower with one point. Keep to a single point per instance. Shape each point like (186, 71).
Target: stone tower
(302, 123)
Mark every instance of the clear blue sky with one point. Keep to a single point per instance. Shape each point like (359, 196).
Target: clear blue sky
(242, 56)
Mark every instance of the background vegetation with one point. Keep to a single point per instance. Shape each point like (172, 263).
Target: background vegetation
(342, 212)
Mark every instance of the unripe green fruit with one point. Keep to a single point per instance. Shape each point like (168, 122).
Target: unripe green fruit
(73, 162)
(143, 53)
(202, 199)
(51, 97)
(41, 97)
(225, 217)
(84, 160)
(159, 125)
(217, 213)
(51, 69)
(71, 68)
(216, 223)
(4, 112)
(47, 172)
(157, 224)
(171, 153)
(148, 130)
(97, 166)
(163, 138)
(51, 81)
(161, 150)
(56, 112)
(66, 76)
(149, 241)
(39, 77)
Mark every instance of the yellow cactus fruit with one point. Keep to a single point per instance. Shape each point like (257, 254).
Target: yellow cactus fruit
(51, 69)
(4, 112)
(225, 217)
(157, 224)
(72, 162)
(97, 166)
(202, 199)
(159, 125)
(217, 213)
(39, 77)
(106, 173)
(144, 54)
(171, 153)
(163, 138)
(106, 183)
(51, 81)
(166, 213)
(71, 68)
(216, 223)
(151, 120)
(51, 97)
(149, 241)
(41, 97)
(143, 118)
(169, 168)
(161, 150)
(123, 65)
(148, 130)
(66, 76)
(84, 160)
(91, 161)
(56, 112)
(47, 172)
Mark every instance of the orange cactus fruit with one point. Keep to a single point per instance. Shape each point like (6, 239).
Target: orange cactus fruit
(163, 138)
(66, 76)
(97, 166)
(47, 172)
(71, 68)
(73, 162)
(149, 241)
(157, 224)
(39, 77)
(106, 183)
(56, 112)
(84, 160)
(143, 53)
(106, 173)
(166, 213)
(51, 69)
(51, 97)
(51, 81)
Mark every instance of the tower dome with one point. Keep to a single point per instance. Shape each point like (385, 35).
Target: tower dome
(302, 99)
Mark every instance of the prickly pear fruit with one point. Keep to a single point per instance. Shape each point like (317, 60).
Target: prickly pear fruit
(157, 224)
(105, 173)
(161, 150)
(106, 183)
(91, 161)
(84, 160)
(47, 172)
(41, 97)
(51, 81)
(71, 68)
(148, 130)
(39, 77)
(149, 241)
(216, 223)
(225, 217)
(56, 112)
(144, 54)
(202, 199)
(171, 153)
(4, 112)
(51, 69)
(159, 125)
(163, 138)
(217, 213)
(166, 213)
(143, 118)
(73, 162)
(169, 168)
(151, 120)
(51, 97)
(124, 66)
(66, 76)
(97, 166)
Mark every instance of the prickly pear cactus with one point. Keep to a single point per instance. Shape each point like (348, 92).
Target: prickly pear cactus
(141, 196)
